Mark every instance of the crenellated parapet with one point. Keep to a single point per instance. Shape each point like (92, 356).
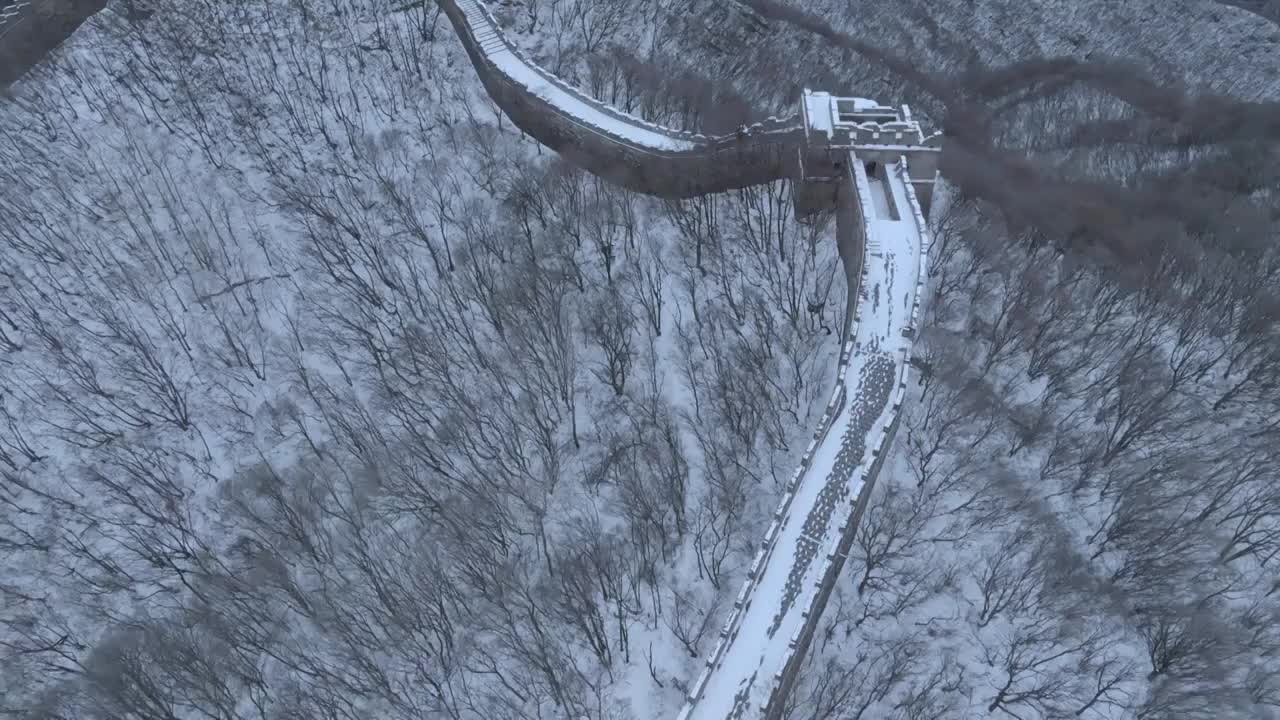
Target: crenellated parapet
(851, 231)
(853, 506)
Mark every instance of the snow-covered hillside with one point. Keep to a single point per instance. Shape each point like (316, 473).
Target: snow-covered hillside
(324, 393)
(327, 393)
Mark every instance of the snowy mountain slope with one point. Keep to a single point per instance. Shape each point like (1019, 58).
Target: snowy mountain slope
(328, 395)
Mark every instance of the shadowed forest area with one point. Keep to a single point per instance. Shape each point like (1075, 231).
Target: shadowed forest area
(325, 393)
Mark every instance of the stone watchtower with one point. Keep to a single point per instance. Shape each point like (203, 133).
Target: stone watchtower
(839, 129)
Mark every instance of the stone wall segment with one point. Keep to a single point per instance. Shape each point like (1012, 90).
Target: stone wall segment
(785, 678)
(715, 164)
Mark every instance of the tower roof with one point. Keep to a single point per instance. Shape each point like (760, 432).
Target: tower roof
(834, 120)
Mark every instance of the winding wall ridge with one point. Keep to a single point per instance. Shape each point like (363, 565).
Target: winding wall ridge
(848, 237)
(820, 592)
(694, 164)
(701, 165)
(729, 631)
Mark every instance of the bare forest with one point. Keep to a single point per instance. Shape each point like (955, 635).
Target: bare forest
(327, 394)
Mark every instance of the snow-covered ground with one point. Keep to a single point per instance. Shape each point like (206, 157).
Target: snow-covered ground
(740, 685)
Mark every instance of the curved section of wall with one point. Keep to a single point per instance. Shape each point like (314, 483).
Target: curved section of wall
(605, 141)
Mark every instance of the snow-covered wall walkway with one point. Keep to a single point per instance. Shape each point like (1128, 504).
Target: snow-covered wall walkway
(766, 637)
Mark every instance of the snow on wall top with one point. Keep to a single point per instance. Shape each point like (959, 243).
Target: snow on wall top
(817, 112)
(585, 111)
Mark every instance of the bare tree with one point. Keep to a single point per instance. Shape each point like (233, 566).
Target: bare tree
(851, 690)
(1035, 661)
(610, 324)
(698, 222)
(689, 622)
(1011, 577)
(645, 285)
(892, 530)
